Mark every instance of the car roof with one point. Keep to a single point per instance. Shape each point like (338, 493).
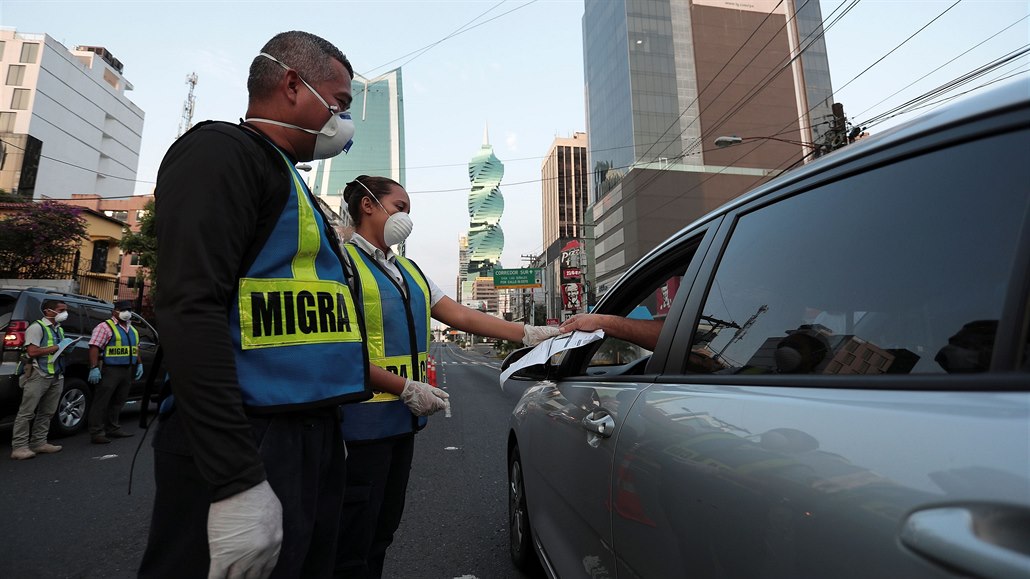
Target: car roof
(48, 293)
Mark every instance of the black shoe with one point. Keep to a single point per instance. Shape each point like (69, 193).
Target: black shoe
(100, 439)
(120, 434)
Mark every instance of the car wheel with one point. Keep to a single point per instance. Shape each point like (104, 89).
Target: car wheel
(520, 537)
(71, 408)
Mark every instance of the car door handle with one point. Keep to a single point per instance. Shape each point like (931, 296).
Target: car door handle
(986, 541)
(599, 422)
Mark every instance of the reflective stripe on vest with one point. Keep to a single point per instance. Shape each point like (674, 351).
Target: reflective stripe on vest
(122, 347)
(398, 341)
(50, 364)
(297, 335)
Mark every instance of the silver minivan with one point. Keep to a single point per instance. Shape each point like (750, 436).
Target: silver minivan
(841, 387)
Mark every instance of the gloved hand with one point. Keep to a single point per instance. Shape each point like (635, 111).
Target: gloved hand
(423, 399)
(94, 376)
(244, 534)
(536, 334)
(64, 343)
(139, 371)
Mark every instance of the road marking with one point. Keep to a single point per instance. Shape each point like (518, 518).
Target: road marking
(452, 448)
(105, 457)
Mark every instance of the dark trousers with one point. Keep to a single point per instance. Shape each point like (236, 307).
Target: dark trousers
(305, 465)
(108, 399)
(377, 480)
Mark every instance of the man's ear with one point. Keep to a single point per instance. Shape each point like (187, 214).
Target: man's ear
(291, 86)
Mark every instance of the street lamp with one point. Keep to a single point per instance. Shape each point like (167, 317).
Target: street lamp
(729, 141)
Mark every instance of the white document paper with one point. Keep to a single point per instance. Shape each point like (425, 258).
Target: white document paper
(551, 346)
(70, 344)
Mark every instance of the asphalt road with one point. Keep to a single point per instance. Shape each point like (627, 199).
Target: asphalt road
(69, 515)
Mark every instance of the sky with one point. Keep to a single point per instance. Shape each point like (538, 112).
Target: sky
(517, 70)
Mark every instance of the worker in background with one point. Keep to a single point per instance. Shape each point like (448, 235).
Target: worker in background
(114, 362)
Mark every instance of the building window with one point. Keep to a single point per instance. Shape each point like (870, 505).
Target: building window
(7, 122)
(20, 100)
(3, 45)
(16, 75)
(29, 52)
(134, 260)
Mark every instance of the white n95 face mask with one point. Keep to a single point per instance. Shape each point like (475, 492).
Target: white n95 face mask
(60, 317)
(398, 226)
(124, 316)
(336, 135)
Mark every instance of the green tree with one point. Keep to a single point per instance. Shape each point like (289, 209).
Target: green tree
(144, 245)
(39, 241)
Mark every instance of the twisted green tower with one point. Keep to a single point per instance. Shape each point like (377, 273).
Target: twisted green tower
(485, 239)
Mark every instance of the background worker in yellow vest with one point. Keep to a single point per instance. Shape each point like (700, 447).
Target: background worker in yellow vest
(115, 343)
(41, 381)
(397, 301)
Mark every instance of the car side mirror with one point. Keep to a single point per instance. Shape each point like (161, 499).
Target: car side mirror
(535, 372)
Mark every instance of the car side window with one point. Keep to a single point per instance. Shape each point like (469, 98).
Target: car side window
(95, 316)
(649, 302)
(76, 324)
(901, 269)
(146, 333)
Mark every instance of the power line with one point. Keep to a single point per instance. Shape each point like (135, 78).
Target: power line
(460, 30)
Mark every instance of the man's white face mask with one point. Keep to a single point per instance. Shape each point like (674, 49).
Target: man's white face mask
(335, 137)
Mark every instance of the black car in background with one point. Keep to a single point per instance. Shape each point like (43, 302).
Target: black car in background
(20, 307)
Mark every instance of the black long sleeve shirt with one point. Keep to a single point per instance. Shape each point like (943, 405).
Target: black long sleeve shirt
(220, 190)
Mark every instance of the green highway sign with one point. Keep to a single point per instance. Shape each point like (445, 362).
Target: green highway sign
(517, 278)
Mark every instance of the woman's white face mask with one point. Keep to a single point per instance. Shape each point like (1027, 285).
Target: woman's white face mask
(398, 225)
(335, 137)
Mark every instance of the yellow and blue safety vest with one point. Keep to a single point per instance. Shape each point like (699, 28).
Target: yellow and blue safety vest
(297, 335)
(51, 364)
(122, 348)
(397, 329)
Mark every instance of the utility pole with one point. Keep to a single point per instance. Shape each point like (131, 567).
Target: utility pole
(186, 122)
(527, 293)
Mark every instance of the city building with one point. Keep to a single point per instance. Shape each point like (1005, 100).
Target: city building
(130, 211)
(463, 268)
(378, 149)
(485, 237)
(564, 198)
(664, 80)
(92, 269)
(66, 123)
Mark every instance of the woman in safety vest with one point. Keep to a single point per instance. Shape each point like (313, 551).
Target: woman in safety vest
(397, 301)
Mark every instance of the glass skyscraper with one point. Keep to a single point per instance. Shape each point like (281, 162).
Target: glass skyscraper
(378, 150)
(664, 79)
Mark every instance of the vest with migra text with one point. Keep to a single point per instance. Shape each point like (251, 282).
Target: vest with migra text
(122, 347)
(398, 341)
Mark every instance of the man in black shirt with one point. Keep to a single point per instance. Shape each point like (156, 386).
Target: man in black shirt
(261, 339)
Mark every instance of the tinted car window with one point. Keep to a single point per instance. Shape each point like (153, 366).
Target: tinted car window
(94, 316)
(75, 324)
(7, 303)
(902, 269)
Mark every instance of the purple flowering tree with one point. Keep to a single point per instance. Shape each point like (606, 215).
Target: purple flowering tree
(40, 241)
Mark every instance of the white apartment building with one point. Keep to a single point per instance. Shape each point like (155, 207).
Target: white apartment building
(65, 120)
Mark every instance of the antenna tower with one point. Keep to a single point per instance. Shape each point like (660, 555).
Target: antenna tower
(187, 107)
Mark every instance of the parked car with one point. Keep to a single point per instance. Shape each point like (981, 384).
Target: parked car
(20, 307)
(841, 386)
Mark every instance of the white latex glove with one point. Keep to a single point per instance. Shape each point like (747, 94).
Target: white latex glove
(423, 399)
(244, 533)
(536, 334)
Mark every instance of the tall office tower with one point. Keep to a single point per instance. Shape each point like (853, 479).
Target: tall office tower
(66, 125)
(485, 238)
(563, 182)
(463, 269)
(664, 79)
(378, 150)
